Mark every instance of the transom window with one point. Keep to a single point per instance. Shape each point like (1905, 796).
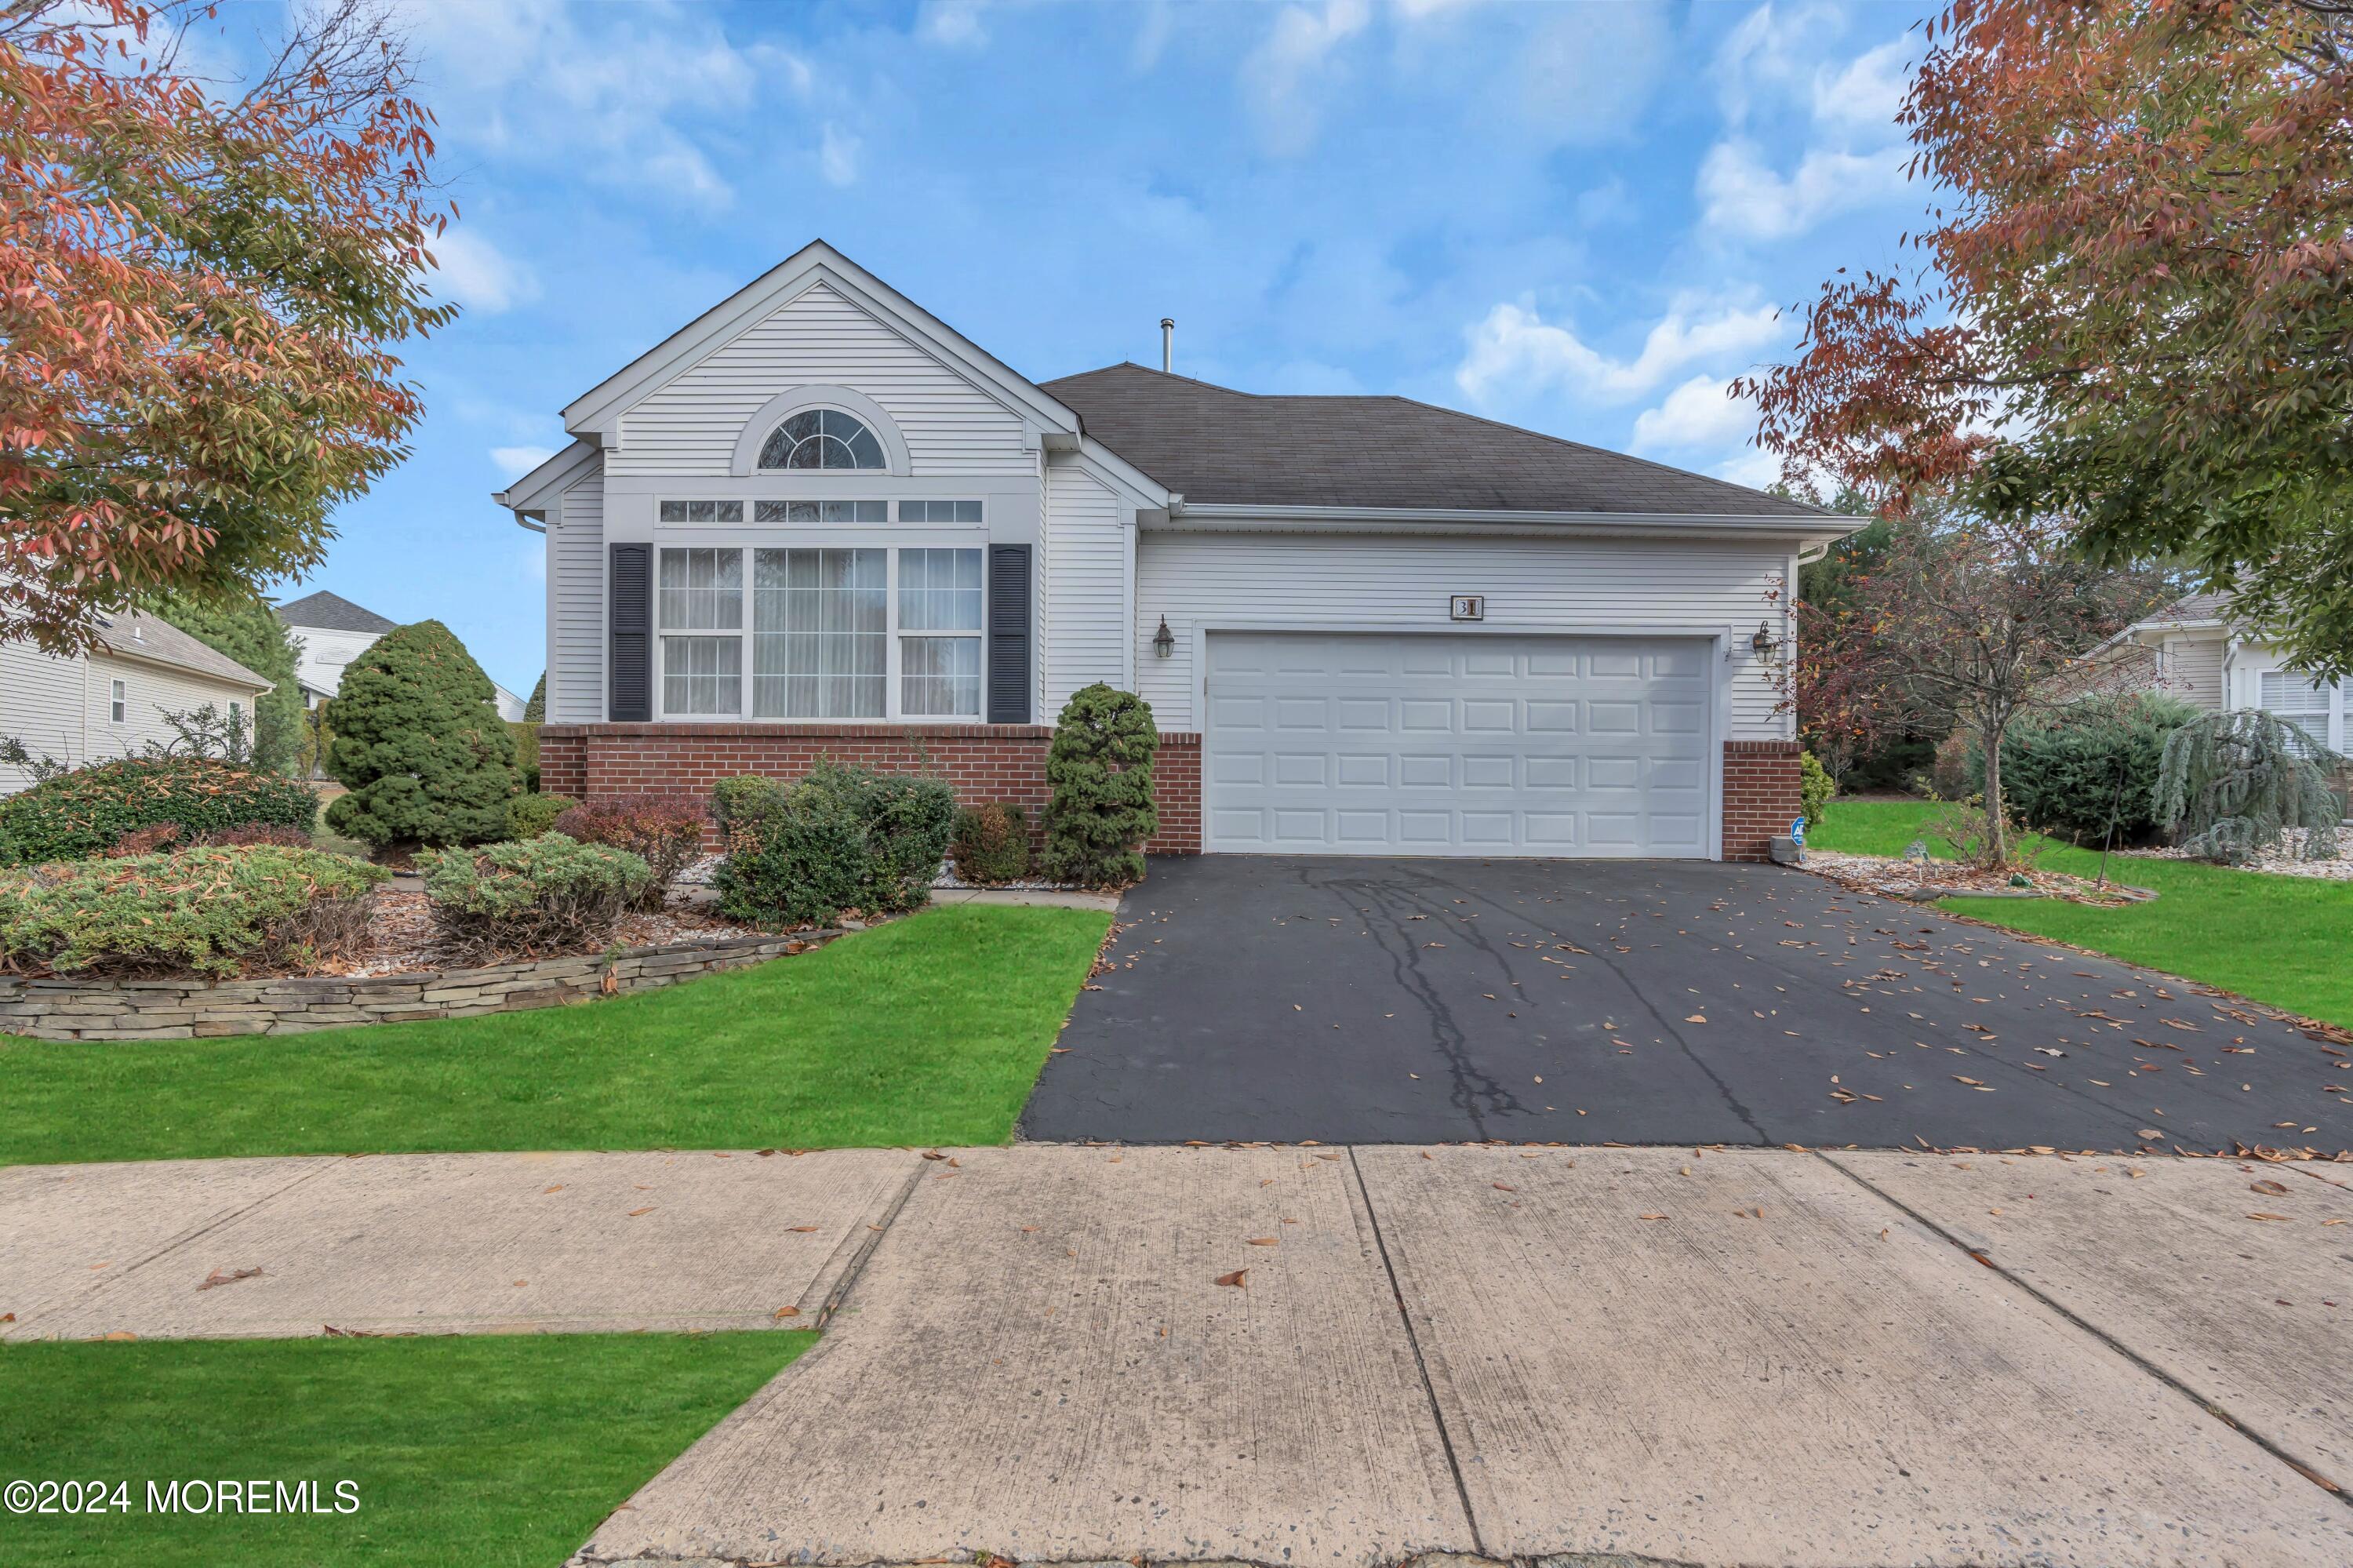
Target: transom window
(833, 633)
(821, 439)
(939, 511)
(702, 511)
(821, 512)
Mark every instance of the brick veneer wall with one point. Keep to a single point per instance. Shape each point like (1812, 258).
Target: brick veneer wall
(980, 762)
(1760, 796)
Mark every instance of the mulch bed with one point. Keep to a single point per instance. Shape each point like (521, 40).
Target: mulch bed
(1941, 879)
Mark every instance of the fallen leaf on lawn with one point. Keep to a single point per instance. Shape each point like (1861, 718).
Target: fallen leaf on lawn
(1238, 1279)
(217, 1278)
(646, 1210)
(2268, 1188)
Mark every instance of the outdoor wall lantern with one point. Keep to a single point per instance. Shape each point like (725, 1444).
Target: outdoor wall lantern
(1164, 642)
(1763, 644)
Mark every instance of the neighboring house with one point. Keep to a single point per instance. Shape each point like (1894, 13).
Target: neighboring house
(112, 702)
(329, 631)
(2193, 650)
(818, 522)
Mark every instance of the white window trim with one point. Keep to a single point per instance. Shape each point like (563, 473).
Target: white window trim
(2257, 666)
(828, 536)
(118, 701)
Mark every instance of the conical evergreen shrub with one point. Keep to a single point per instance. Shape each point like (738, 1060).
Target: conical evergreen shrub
(1100, 770)
(419, 744)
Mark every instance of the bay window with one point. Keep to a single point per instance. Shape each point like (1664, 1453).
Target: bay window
(857, 632)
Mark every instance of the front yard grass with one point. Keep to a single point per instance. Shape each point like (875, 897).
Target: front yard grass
(2280, 940)
(491, 1452)
(924, 1031)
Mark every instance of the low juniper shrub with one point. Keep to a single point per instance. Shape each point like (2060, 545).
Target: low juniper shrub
(86, 810)
(531, 897)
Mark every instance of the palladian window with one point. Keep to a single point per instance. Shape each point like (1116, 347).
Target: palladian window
(822, 438)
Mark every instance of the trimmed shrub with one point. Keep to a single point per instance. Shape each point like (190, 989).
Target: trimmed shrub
(217, 912)
(837, 838)
(531, 814)
(2066, 773)
(526, 743)
(534, 707)
(419, 744)
(991, 843)
(664, 830)
(547, 895)
(1816, 790)
(745, 801)
(83, 813)
(1100, 767)
(245, 833)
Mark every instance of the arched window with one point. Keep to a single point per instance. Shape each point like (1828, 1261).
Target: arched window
(821, 437)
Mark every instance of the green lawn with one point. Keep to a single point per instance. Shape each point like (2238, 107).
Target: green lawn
(928, 1030)
(472, 1453)
(2280, 940)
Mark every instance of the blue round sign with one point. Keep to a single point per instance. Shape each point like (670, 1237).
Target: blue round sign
(1798, 829)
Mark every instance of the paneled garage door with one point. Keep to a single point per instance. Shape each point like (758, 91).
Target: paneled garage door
(1468, 744)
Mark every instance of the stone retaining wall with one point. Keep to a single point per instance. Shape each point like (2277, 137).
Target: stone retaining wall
(184, 1010)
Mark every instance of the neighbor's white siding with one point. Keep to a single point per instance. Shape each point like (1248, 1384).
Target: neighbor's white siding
(1277, 581)
(62, 708)
(576, 605)
(1085, 585)
(689, 426)
(2193, 671)
(321, 655)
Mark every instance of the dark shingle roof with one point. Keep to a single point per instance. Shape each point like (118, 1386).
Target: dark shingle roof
(332, 613)
(2194, 607)
(1214, 444)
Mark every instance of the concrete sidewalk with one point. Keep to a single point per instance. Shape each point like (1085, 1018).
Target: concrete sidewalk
(1298, 1356)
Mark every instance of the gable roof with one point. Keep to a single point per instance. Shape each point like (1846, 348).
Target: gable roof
(596, 413)
(2189, 608)
(135, 634)
(1213, 444)
(332, 613)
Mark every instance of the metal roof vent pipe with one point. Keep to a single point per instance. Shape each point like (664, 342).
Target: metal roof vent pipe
(1167, 346)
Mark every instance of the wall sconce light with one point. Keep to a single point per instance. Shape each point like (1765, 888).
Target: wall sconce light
(1763, 644)
(1164, 642)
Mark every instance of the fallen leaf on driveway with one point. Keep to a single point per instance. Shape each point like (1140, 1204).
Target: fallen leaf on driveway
(1504, 1187)
(788, 1312)
(2259, 1214)
(217, 1278)
(1260, 1241)
(1238, 1279)
(800, 1230)
(2269, 1189)
(1696, 1018)
(557, 1188)
(1651, 1216)
(646, 1210)
(2151, 1133)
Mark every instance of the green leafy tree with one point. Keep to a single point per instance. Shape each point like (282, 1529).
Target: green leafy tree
(418, 742)
(246, 630)
(1100, 770)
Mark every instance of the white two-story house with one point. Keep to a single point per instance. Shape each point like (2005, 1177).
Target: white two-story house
(817, 520)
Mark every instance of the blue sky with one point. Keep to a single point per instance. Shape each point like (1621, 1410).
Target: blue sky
(1582, 218)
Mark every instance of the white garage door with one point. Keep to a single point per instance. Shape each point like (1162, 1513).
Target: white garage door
(1322, 743)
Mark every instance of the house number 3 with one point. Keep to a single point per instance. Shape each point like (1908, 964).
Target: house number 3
(1468, 607)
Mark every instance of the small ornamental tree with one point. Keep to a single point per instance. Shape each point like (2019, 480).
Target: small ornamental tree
(1100, 770)
(2232, 783)
(246, 630)
(536, 710)
(418, 742)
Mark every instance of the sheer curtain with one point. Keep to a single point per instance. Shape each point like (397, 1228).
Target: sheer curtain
(820, 634)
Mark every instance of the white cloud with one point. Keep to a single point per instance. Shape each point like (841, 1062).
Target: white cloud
(1869, 89)
(952, 24)
(837, 155)
(1740, 193)
(1514, 353)
(1699, 413)
(1281, 80)
(1767, 55)
(476, 274)
(516, 462)
(1585, 75)
(1753, 466)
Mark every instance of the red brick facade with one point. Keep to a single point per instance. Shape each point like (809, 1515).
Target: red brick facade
(980, 762)
(1760, 796)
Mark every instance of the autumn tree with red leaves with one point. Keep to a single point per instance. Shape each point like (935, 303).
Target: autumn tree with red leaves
(2135, 307)
(198, 294)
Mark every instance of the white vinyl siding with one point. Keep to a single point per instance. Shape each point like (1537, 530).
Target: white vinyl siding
(2193, 671)
(689, 426)
(63, 708)
(1085, 585)
(1366, 581)
(576, 606)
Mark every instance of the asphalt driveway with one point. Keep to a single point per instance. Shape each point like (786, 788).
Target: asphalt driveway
(1387, 1001)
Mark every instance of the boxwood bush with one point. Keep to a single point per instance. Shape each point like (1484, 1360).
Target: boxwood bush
(531, 814)
(991, 843)
(1100, 766)
(531, 897)
(212, 912)
(84, 813)
(837, 837)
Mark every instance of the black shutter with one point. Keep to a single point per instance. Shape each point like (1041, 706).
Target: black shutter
(630, 653)
(1008, 634)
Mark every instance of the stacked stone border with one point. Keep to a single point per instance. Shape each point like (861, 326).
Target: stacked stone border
(982, 763)
(197, 1009)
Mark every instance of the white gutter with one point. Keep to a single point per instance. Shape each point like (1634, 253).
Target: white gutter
(1227, 517)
